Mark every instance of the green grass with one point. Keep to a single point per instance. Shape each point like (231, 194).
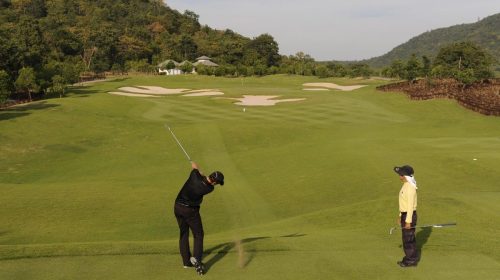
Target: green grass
(88, 183)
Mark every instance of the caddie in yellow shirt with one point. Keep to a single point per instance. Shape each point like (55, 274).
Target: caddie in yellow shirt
(408, 215)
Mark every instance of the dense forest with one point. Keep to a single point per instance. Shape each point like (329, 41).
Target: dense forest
(485, 33)
(118, 35)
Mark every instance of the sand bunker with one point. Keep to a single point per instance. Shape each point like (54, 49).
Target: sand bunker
(150, 91)
(262, 100)
(131, 94)
(246, 100)
(201, 90)
(205, 93)
(333, 86)
(153, 90)
(316, 89)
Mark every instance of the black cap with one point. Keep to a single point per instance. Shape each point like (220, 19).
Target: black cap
(404, 170)
(217, 177)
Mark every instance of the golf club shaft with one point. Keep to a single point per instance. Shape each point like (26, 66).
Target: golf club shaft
(425, 226)
(178, 142)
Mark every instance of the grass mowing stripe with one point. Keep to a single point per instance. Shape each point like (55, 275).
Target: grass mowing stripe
(238, 195)
(9, 252)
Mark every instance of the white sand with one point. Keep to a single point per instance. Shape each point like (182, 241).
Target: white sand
(201, 90)
(315, 89)
(261, 100)
(131, 94)
(333, 86)
(150, 91)
(153, 90)
(204, 93)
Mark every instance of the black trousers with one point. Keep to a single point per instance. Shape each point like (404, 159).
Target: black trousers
(409, 239)
(189, 218)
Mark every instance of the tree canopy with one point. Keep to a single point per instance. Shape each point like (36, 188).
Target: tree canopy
(464, 61)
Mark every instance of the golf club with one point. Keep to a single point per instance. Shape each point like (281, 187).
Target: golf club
(177, 140)
(426, 226)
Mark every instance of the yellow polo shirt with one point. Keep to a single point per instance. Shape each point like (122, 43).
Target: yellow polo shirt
(407, 201)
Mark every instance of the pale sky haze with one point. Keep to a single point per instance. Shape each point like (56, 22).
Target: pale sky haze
(335, 29)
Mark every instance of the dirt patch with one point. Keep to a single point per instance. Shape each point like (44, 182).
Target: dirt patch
(333, 86)
(483, 97)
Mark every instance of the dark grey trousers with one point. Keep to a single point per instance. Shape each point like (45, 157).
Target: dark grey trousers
(189, 218)
(409, 240)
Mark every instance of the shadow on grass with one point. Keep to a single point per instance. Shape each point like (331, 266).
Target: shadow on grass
(117, 80)
(245, 257)
(85, 90)
(23, 110)
(82, 91)
(422, 237)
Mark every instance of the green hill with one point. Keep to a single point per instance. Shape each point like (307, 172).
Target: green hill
(485, 32)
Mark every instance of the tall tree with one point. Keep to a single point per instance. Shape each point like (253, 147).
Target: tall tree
(426, 66)
(188, 49)
(266, 48)
(189, 23)
(29, 42)
(26, 81)
(397, 69)
(59, 85)
(360, 70)
(465, 61)
(412, 69)
(4, 86)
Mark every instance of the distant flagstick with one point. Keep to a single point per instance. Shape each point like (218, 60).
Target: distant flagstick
(426, 226)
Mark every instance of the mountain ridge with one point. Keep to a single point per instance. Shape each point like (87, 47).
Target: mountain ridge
(485, 33)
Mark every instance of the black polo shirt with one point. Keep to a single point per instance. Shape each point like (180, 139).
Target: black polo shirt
(194, 189)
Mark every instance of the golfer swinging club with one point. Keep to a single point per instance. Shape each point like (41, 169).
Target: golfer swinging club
(187, 213)
(408, 215)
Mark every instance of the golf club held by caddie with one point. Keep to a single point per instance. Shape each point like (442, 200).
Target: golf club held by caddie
(426, 226)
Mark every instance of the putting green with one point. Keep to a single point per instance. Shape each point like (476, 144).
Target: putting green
(88, 183)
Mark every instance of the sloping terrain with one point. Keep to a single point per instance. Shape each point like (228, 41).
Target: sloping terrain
(88, 183)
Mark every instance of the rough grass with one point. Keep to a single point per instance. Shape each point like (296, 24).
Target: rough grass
(88, 182)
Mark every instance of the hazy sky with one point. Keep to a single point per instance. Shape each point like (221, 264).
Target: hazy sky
(335, 29)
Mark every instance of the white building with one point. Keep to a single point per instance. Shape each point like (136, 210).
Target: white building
(202, 60)
(162, 68)
(205, 60)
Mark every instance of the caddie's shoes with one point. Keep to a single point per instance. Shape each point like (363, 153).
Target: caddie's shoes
(403, 264)
(200, 269)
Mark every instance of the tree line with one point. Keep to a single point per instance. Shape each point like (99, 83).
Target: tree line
(46, 45)
(465, 62)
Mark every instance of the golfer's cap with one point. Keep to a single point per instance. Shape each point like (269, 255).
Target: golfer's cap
(217, 177)
(404, 170)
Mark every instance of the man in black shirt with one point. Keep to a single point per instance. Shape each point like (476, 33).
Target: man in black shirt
(187, 213)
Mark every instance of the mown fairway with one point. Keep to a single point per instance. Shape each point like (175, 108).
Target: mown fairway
(87, 183)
